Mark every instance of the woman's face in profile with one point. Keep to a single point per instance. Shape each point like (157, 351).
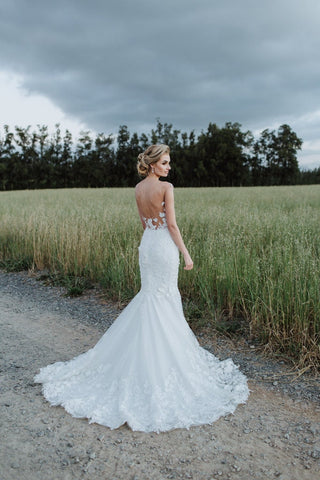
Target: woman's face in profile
(162, 166)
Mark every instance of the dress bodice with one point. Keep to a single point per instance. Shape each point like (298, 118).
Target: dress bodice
(158, 257)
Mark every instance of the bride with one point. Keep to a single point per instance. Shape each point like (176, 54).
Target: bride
(148, 370)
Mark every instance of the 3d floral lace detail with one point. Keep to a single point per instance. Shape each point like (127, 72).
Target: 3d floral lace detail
(148, 370)
(157, 223)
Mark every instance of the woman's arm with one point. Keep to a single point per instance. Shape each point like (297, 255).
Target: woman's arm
(173, 227)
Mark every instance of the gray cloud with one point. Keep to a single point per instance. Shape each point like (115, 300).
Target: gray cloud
(188, 63)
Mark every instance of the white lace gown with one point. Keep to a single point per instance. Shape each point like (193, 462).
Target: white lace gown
(148, 370)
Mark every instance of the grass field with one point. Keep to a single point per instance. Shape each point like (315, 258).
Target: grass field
(256, 253)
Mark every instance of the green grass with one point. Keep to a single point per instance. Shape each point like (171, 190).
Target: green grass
(256, 253)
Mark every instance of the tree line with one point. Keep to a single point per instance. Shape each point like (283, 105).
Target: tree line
(219, 156)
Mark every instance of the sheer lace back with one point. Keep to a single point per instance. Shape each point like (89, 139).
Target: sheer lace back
(156, 222)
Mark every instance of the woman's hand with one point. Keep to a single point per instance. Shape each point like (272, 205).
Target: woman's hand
(188, 261)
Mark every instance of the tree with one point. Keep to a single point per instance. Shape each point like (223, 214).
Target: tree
(103, 160)
(277, 152)
(310, 177)
(27, 152)
(10, 165)
(67, 160)
(126, 157)
(219, 156)
(222, 155)
(82, 172)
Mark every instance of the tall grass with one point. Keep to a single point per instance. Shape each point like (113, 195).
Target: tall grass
(256, 252)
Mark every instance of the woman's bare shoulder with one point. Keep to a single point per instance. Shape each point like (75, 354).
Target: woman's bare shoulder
(167, 185)
(139, 186)
(167, 190)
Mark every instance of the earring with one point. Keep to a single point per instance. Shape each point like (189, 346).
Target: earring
(152, 170)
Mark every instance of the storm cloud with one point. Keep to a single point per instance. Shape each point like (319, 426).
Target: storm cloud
(110, 63)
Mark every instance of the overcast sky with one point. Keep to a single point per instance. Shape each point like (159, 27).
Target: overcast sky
(98, 64)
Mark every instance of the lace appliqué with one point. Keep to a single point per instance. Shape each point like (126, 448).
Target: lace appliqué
(202, 393)
(157, 223)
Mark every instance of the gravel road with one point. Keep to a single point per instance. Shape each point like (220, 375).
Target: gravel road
(276, 435)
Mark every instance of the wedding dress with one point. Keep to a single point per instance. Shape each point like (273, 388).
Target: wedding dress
(148, 370)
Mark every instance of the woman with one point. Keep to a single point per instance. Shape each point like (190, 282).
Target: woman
(148, 369)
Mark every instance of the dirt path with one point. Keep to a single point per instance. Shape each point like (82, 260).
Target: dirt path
(272, 436)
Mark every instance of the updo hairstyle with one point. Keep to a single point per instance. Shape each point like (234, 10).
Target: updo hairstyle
(151, 155)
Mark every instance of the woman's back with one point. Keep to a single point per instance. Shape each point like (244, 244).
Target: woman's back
(150, 198)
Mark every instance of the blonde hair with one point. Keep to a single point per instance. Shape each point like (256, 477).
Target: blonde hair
(151, 155)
